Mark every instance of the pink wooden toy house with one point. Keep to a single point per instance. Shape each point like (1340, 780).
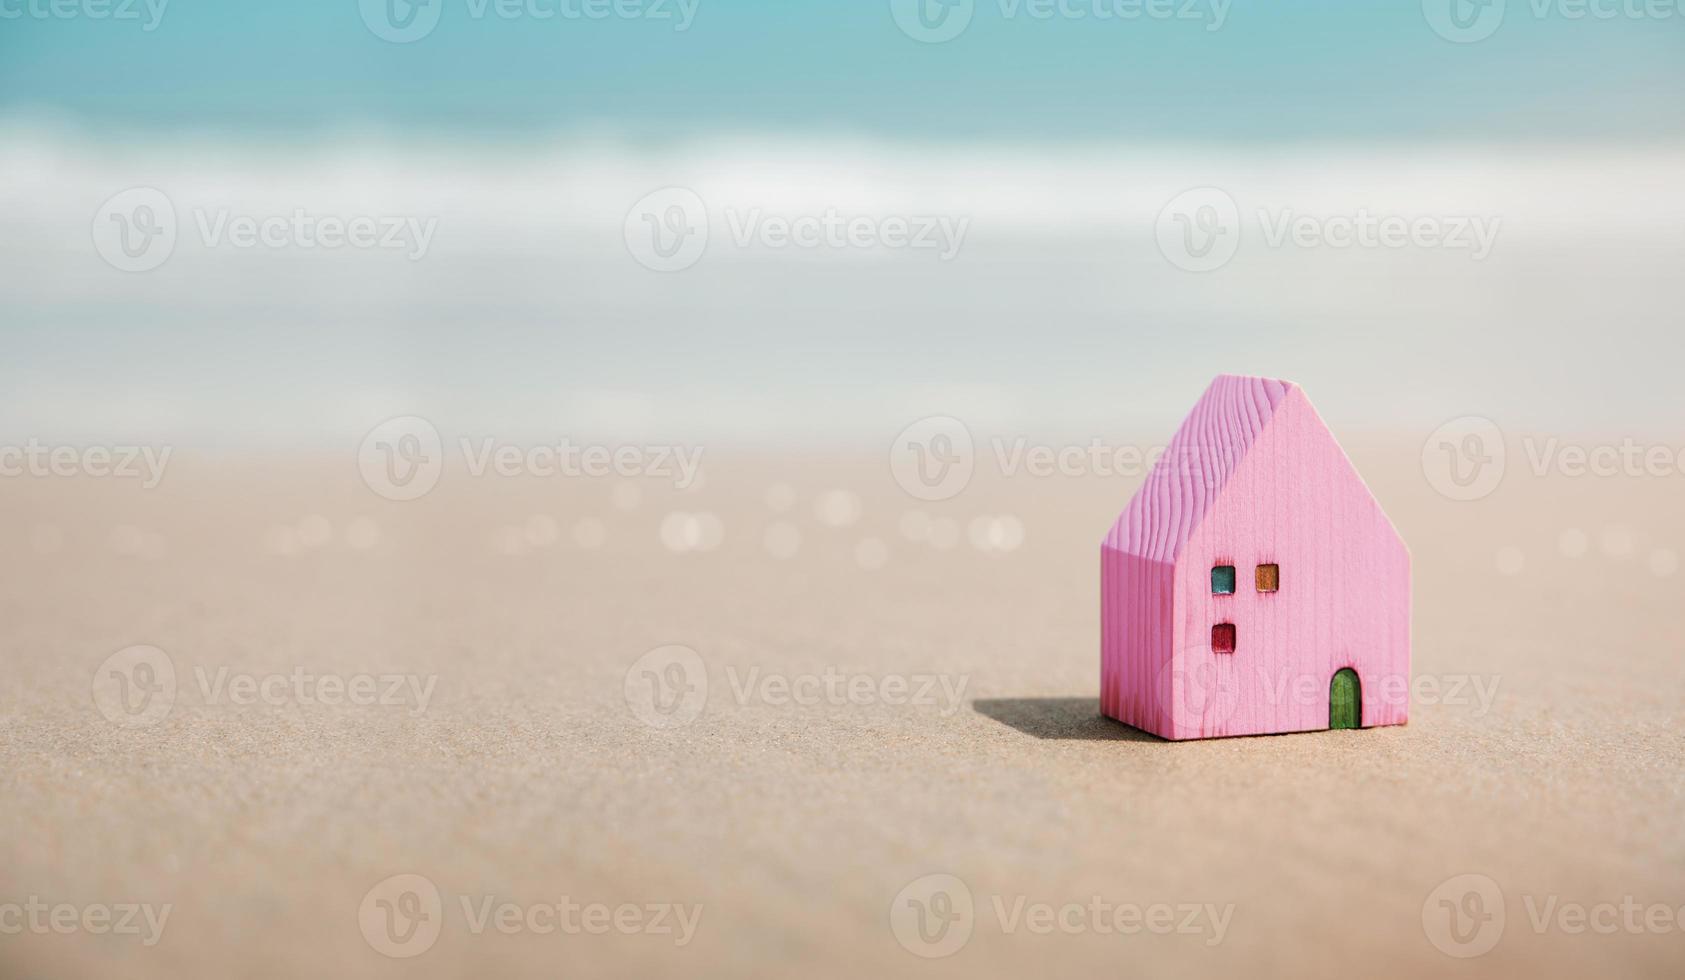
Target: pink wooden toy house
(1253, 585)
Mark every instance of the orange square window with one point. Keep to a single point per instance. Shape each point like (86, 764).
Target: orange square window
(1222, 638)
(1269, 578)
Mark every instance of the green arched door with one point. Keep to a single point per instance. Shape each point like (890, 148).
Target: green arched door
(1345, 700)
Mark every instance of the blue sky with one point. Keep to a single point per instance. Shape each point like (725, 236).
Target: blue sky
(1281, 70)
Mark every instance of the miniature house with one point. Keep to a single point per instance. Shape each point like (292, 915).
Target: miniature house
(1253, 585)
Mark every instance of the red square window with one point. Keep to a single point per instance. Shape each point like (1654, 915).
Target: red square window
(1222, 638)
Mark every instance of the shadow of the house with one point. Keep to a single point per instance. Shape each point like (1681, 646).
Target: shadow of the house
(1060, 718)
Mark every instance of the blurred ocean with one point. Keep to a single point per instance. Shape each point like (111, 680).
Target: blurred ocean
(773, 224)
(512, 297)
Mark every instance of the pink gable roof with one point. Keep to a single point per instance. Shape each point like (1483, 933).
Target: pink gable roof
(1199, 460)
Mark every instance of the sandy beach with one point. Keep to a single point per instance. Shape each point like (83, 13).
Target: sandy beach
(448, 688)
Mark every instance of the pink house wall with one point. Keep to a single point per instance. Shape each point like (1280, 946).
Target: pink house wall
(1254, 476)
(1344, 599)
(1136, 638)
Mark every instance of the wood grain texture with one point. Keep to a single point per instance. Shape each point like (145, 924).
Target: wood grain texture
(1253, 477)
(1197, 463)
(1136, 636)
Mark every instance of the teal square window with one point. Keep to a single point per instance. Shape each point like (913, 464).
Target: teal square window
(1222, 580)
